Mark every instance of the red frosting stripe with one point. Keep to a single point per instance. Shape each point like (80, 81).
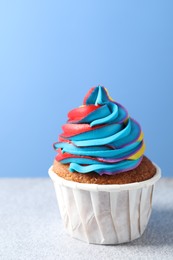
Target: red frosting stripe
(79, 113)
(62, 156)
(62, 140)
(75, 129)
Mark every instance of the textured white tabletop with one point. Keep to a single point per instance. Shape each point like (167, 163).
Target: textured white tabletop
(31, 228)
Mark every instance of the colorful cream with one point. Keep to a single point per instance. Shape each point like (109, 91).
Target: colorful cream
(100, 137)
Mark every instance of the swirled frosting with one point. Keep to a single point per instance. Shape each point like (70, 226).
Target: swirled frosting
(100, 137)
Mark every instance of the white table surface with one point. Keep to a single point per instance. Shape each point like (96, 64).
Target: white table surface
(31, 228)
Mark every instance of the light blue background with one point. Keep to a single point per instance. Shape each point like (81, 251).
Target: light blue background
(52, 52)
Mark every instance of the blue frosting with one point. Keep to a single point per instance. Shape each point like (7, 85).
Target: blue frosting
(112, 145)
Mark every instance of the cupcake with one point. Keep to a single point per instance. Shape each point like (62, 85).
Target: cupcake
(103, 181)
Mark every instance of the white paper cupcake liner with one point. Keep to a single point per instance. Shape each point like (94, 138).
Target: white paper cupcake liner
(105, 214)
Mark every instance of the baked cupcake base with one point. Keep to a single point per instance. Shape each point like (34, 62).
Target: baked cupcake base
(144, 171)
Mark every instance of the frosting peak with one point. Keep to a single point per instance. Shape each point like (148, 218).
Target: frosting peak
(97, 96)
(100, 136)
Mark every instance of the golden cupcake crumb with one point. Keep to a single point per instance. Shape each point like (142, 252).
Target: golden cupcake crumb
(144, 171)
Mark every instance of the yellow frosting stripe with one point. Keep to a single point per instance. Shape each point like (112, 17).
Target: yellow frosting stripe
(108, 94)
(126, 120)
(138, 154)
(141, 137)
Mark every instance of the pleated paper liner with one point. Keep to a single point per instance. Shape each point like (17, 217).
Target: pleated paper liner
(105, 214)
